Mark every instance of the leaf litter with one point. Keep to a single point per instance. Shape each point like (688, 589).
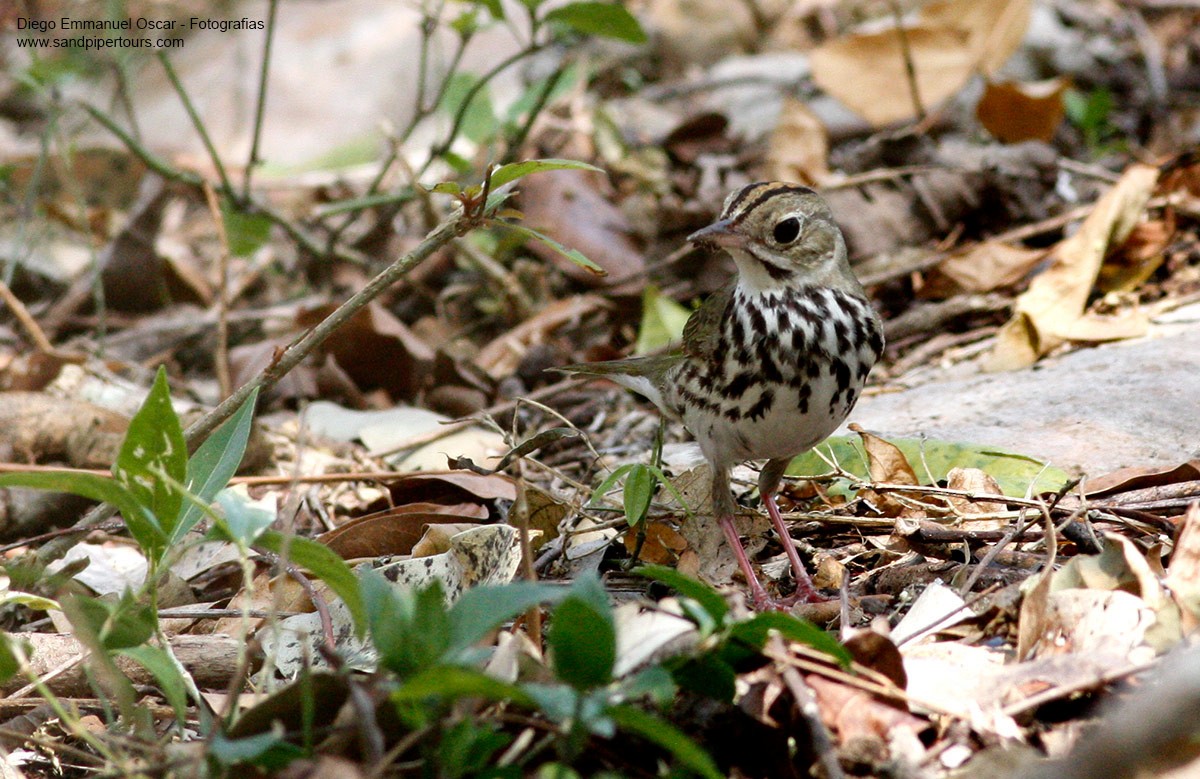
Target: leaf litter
(992, 601)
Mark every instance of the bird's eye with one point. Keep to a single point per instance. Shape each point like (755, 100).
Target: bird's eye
(787, 230)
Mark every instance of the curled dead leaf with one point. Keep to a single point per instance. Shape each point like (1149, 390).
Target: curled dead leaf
(1022, 111)
(1052, 311)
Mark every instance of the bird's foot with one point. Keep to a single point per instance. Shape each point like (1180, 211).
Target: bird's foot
(764, 602)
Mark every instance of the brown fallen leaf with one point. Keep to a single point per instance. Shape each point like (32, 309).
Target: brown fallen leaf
(1136, 478)
(977, 482)
(396, 530)
(1139, 256)
(982, 268)
(1052, 311)
(798, 149)
(1022, 111)
(663, 543)
(450, 487)
(376, 350)
(948, 43)
(570, 207)
(500, 358)
(887, 465)
(1183, 575)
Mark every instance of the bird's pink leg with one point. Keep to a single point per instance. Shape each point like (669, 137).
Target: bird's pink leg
(761, 599)
(805, 591)
(768, 483)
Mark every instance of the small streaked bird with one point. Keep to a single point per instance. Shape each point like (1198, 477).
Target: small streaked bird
(773, 362)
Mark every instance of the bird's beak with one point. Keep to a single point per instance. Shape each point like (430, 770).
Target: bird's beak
(722, 233)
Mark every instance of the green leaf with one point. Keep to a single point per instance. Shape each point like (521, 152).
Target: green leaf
(653, 681)
(639, 491)
(607, 20)
(557, 701)
(574, 255)
(665, 735)
(662, 323)
(516, 170)
(706, 596)
(755, 630)
(494, 7)
(215, 463)
(326, 565)
(466, 23)
(9, 665)
(154, 445)
(479, 122)
(481, 610)
(242, 520)
(117, 625)
(533, 99)
(410, 627)
(142, 525)
(452, 682)
(1013, 472)
(166, 672)
(582, 636)
(269, 750)
(246, 233)
(708, 675)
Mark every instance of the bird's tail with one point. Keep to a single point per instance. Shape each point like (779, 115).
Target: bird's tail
(643, 375)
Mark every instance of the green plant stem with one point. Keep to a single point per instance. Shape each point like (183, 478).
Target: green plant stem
(226, 185)
(518, 139)
(261, 100)
(461, 113)
(148, 158)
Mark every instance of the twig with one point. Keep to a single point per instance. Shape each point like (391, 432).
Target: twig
(910, 68)
(26, 319)
(806, 704)
(197, 122)
(260, 104)
(221, 358)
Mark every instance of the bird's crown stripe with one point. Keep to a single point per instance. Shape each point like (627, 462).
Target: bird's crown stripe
(754, 195)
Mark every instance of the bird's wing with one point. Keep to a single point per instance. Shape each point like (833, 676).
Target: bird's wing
(702, 332)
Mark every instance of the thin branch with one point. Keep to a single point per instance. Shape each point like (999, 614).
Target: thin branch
(910, 69)
(221, 358)
(197, 122)
(260, 104)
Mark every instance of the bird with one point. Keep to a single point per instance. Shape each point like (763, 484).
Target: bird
(770, 364)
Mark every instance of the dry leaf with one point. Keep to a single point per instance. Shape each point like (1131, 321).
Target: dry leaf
(1051, 311)
(949, 43)
(867, 72)
(985, 267)
(570, 207)
(436, 539)
(1014, 111)
(663, 543)
(451, 487)
(1137, 259)
(976, 482)
(799, 146)
(994, 28)
(887, 465)
(376, 350)
(1183, 577)
(395, 531)
(501, 357)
